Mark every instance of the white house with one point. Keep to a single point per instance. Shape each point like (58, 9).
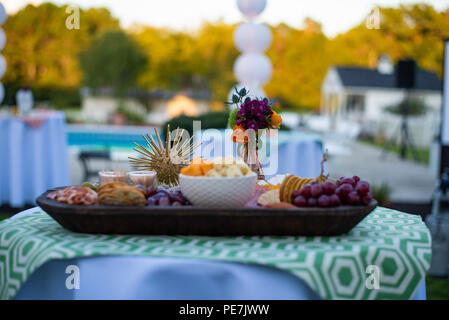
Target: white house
(164, 106)
(357, 94)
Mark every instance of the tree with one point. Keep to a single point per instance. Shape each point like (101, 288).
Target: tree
(113, 60)
(217, 53)
(409, 31)
(300, 60)
(179, 60)
(41, 52)
(171, 58)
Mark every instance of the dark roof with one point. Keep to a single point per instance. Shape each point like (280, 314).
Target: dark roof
(364, 77)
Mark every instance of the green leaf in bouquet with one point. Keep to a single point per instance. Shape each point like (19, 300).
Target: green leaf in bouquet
(232, 118)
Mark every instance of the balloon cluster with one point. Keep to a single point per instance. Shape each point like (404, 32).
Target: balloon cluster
(252, 68)
(3, 17)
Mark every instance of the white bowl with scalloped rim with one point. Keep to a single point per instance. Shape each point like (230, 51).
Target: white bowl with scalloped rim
(223, 192)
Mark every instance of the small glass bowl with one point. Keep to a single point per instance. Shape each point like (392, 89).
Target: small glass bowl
(112, 176)
(144, 178)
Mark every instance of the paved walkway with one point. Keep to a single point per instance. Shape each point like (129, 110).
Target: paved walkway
(411, 182)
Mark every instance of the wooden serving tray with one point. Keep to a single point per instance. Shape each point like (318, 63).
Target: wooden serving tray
(190, 220)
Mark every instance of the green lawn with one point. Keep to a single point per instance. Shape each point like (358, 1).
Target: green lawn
(437, 289)
(4, 216)
(423, 153)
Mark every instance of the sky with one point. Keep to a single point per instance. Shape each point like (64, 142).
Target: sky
(336, 16)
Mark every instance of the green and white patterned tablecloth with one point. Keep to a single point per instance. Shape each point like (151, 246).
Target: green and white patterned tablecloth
(335, 267)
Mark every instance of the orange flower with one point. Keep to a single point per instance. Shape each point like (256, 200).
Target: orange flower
(276, 120)
(239, 135)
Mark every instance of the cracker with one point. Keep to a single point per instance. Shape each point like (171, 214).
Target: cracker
(293, 182)
(306, 181)
(269, 197)
(283, 187)
(290, 184)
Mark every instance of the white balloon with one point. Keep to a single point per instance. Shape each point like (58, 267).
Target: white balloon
(252, 37)
(251, 8)
(3, 14)
(253, 93)
(2, 65)
(2, 92)
(253, 69)
(2, 39)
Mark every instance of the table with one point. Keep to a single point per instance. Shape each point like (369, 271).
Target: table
(33, 247)
(32, 159)
(298, 153)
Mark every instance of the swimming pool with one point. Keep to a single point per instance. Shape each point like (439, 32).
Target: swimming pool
(106, 137)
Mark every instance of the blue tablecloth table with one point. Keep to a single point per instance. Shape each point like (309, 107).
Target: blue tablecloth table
(32, 160)
(35, 252)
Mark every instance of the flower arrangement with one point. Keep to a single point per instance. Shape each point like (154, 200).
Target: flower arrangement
(251, 114)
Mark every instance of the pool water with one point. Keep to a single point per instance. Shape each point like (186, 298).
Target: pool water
(106, 137)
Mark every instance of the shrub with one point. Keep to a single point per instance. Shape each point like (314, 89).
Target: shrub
(132, 117)
(413, 106)
(210, 120)
(56, 98)
(382, 194)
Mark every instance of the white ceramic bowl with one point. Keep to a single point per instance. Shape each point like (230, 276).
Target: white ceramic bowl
(218, 192)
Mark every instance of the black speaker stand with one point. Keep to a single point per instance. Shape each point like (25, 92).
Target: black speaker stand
(406, 140)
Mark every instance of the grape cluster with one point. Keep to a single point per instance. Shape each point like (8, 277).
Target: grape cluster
(349, 191)
(164, 197)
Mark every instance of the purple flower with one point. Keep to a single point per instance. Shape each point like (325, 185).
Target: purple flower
(252, 125)
(263, 124)
(254, 114)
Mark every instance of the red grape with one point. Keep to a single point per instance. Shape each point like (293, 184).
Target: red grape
(296, 193)
(329, 188)
(362, 188)
(316, 190)
(356, 179)
(343, 190)
(339, 181)
(300, 201)
(335, 200)
(353, 198)
(306, 191)
(324, 201)
(366, 199)
(311, 202)
(348, 181)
